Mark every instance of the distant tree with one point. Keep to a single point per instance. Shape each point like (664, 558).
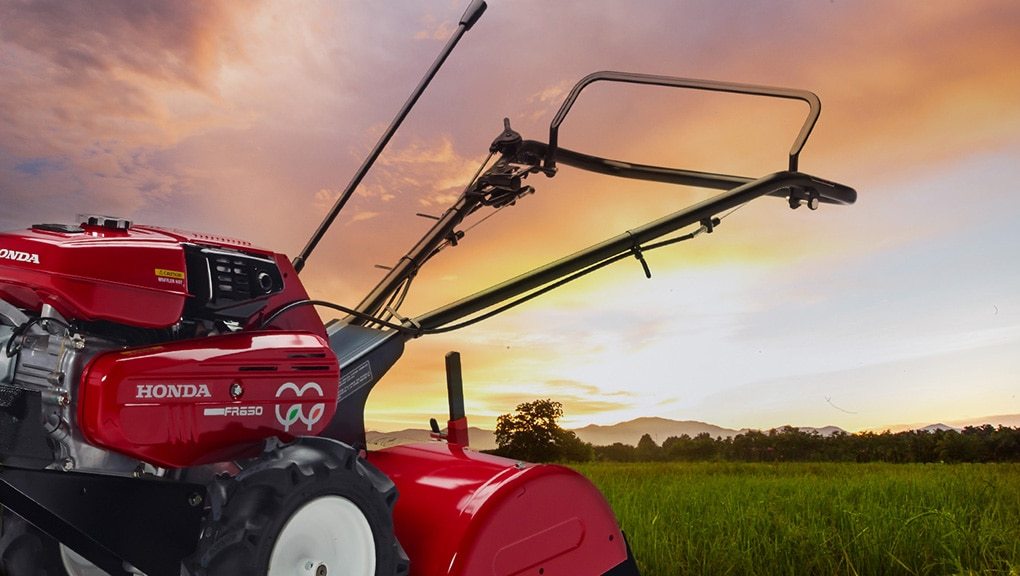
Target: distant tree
(573, 449)
(532, 433)
(616, 452)
(647, 449)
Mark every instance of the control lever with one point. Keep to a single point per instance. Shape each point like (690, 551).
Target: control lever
(457, 426)
(508, 140)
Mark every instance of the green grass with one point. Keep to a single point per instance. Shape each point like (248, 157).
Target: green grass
(824, 519)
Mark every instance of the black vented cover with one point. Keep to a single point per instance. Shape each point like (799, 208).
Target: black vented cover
(229, 285)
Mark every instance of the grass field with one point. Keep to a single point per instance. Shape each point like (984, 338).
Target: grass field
(793, 519)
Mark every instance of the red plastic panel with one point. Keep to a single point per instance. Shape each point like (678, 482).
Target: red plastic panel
(470, 514)
(211, 399)
(134, 277)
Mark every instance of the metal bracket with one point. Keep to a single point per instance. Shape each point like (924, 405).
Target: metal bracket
(114, 522)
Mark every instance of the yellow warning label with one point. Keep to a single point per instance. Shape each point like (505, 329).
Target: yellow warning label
(169, 274)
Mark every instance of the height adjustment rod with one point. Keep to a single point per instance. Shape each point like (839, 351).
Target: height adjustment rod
(457, 426)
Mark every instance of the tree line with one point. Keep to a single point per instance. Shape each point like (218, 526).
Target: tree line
(532, 433)
(972, 444)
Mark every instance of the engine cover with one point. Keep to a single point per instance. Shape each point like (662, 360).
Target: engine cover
(148, 277)
(208, 400)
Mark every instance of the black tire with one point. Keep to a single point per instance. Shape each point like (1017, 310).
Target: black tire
(25, 550)
(250, 511)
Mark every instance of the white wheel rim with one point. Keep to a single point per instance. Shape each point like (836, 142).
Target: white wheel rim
(75, 565)
(328, 535)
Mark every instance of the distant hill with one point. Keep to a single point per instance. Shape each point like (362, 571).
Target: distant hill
(480, 439)
(660, 429)
(823, 431)
(625, 432)
(1007, 420)
(937, 428)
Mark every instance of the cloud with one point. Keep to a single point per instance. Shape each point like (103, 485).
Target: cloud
(94, 92)
(82, 67)
(433, 30)
(178, 43)
(574, 408)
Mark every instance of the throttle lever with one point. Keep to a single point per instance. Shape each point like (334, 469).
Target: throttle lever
(507, 142)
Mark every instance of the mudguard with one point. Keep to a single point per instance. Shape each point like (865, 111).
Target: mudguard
(464, 513)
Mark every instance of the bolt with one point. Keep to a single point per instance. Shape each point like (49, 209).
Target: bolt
(64, 399)
(236, 390)
(195, 500)
(68, 464)
(321, 570)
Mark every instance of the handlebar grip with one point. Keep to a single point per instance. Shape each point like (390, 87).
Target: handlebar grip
(472, 14)
(833, 192)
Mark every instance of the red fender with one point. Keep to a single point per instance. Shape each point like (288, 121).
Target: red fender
(465, 513)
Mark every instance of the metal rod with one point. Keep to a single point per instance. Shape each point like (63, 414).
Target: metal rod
(471, 15)
(751, 89)
(422, 251)
(625, 242)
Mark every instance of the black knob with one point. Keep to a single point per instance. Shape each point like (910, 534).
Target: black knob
(265, 282)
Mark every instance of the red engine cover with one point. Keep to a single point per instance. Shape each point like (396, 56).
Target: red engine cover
(121, 276)
(208, 400)
(136, 276)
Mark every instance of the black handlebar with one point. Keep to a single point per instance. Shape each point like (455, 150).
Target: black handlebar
(828, 192)
(815, 105)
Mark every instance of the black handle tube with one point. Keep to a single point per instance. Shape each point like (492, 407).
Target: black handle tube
(815, 105)
(625, 242)
(468, 20)
(416, 257)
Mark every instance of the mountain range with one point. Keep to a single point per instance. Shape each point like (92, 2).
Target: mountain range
(660, 429)
(1008, 420)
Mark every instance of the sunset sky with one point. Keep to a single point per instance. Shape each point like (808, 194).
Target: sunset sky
(247, 119)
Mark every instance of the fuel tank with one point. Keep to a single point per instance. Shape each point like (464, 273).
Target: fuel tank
(107, 269)
(465, 513)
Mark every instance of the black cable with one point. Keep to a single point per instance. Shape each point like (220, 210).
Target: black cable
(21, 332)
(397, 298)
(550, 287)
(367, 317)
(527, 297)
(416, 332)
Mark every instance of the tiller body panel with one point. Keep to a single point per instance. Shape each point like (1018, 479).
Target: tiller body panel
(463, 513)
(193, 402)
